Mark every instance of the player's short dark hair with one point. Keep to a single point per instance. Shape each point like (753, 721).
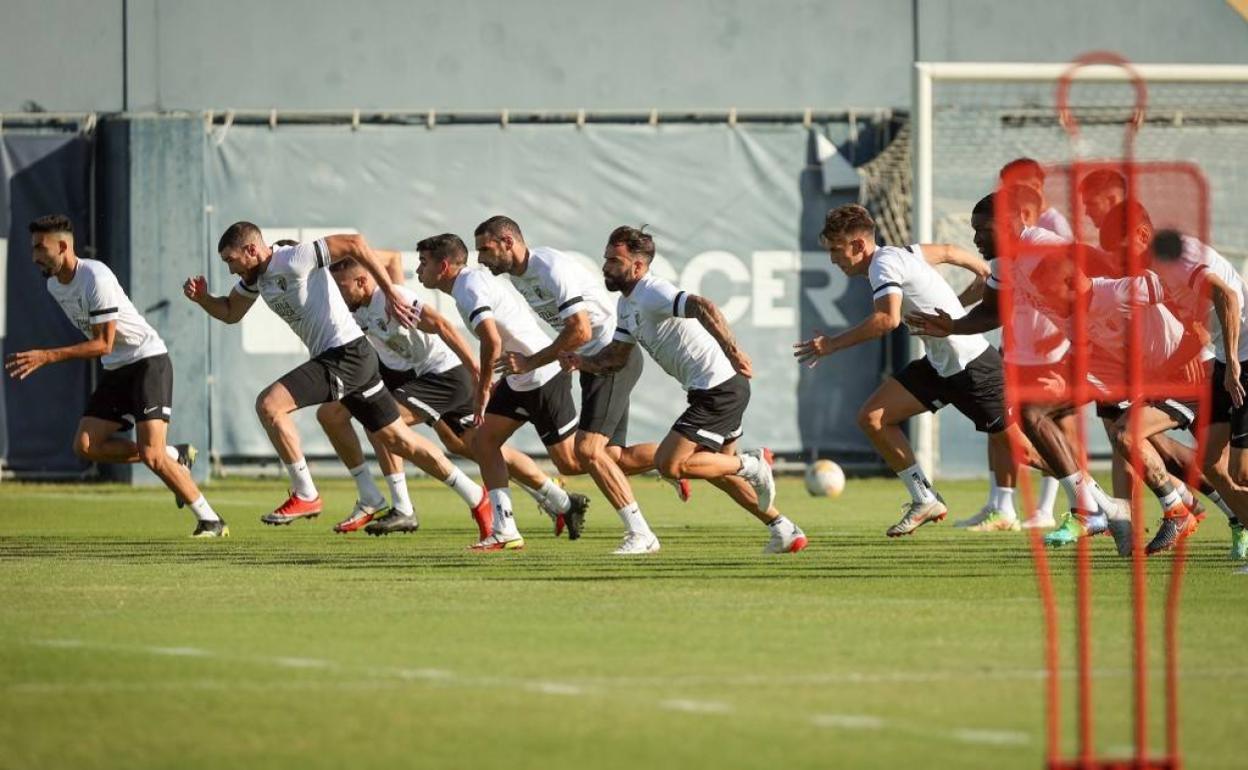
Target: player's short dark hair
(445, 247)
(1021, 167)
(236, 235)
(638, 242)
(985, 207)
(286, 242)
(1100, 180)
(52, 223)
(343, 265)
(844, 221)
(497, 226)
(1167, 245)
(1120, 217)
(1016, 196)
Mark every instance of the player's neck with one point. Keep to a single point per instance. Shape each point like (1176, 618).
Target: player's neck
(69, 268)
(522, 264)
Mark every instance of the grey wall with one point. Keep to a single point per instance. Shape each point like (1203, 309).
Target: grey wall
(65, 55)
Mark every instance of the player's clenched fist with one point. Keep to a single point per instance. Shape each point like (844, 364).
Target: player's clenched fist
(196, 288)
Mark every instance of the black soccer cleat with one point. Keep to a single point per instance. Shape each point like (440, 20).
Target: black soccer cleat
(186, 458)
(574, 519)
(394, 521)
(216, 528)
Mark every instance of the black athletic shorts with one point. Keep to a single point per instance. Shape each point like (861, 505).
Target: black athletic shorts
(549, 407)
(1182, 412)
(605, 397)
(714, 415)
(444, 396)
(978, 391)
(1224, 411)
(135, 392)
(349, 374)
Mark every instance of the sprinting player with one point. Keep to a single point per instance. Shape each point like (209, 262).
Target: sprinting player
(965, 371)
(295, 284)
(572, 301)
(1100, 191)
(498, 317)
(1030, 174)
(688, 337)
(136, 388)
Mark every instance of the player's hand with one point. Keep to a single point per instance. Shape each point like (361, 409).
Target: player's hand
(569, 361)
(480, 398)
(809, 352)
(22, 365)
(1194, 371)
(740, 362)
(398, 309)
(1232, 384)
(196, 289)
(939, 324)
(513, 363)
(1054, 384)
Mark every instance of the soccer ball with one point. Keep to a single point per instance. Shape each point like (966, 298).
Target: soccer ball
(824, 478)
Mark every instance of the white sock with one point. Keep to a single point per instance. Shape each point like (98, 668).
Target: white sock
(1217, 500)
(399, 500)
(632, 519)
(750, 466)
(917, 484)
(504, 522)
(781, 524)
(171, 452)
(366, 489)
(555, 496)
(1078, 493)
(1005, 501)
(1185, 494)
(301, 480)
(992, 495)
(1048, 495)
(465, 487)
(1169, 499)
(203, 511)
(1104, 503)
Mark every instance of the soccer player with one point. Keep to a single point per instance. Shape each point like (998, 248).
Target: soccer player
(295, 284)
(965, 371)
(496, 314)
(688, 337)
(573, 302)
(136, 388)
(1030, 174)
(1100, 191)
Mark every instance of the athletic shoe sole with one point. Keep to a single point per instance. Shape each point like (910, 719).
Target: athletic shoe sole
(281, 521)
(510, 545)
(929, 520)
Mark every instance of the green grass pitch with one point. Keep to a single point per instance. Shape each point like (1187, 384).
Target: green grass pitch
(125, 644)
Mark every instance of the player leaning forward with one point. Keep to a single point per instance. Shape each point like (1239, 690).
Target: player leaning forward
(137, 384)
(688, 337)
(295, 284)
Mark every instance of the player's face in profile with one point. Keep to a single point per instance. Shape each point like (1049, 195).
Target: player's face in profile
(617, 268)
(352, 285)
(1099, 204)
(494, 253)
(47, 253)
(849, 254)
(985, 237)
(241, 260)
(427, 270)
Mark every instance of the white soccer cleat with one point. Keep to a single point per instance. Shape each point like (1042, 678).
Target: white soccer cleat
(786, 542)
(763, 482)
(497, 542)
(997, 521)
(1040, 520)
(637, 543)
(978, 518)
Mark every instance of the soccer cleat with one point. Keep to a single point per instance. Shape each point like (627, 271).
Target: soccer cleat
(1173, 529)
(916, 515)
(1039, 520)
(786, 542)
(204, 529)
(482, 514)
(394, 521)
(997, 522)
(764, 482)
(361, 514)
(496, 542)
(574, 519)
(1075, 526)
(637, 543)
(1197, 510)
(978, 518)
(1239, 542)
(186, 458)
(295, 507)
(684, 490)
(1120, 530)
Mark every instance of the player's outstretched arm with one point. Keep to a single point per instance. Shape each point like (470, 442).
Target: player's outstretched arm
(491, 360)
(433, 322)
(22, 365)
(983, 317)
(887, 316)
(343, 246)
(576, 331)
(948, 254)
(231, 308)
(612, 358)
(714, 322)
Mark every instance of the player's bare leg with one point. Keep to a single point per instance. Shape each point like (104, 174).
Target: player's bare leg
(488, 442)
(155, 453)
(676, 459)
(274, 406)
(335, 420)
(1178, 520)
(594, 455)
(95, 442)
(1002, 517)
(401, 441)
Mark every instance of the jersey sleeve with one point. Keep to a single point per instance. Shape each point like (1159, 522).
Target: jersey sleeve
(474, 301)
(103, 297)
(625, 325)
(561, 280)
(411, 299)
(887, 273)
(661, 299)
(302, 258)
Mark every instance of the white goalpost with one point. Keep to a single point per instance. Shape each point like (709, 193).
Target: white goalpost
(970, 118)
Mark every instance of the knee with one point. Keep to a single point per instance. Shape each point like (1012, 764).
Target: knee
(152, 456)
(587, 452)
(82, 445)
(266, 409)
(668, 466)
(567, 463)
(1031, 418)
(871, 419)
(328, 415)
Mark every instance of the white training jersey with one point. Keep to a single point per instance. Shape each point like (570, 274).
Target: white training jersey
(653, 315)
(1034, 338)
(1111, 303)
(904, 271)
(401, 348)
(93, 297)
(1181, 279)
(556, 287)
(297, 287)
(478, 296)
(1055, 222)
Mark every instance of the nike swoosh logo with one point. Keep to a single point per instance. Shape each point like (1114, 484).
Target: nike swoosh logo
(1239, 436)
(150, 409)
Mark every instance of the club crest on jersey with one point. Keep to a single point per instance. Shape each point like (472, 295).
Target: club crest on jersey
(281, 283)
